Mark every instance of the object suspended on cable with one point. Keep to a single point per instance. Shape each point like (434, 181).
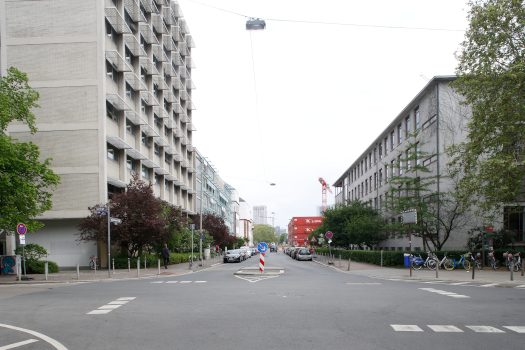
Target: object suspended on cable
(255, 24)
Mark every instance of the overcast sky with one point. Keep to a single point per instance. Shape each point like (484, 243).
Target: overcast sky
(315, 95)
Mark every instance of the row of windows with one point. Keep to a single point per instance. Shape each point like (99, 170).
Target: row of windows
(131, 164)
(397, 136)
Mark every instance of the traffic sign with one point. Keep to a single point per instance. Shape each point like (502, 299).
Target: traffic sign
(329, 234)
(22, 239)
(262, 247)
(21, 229)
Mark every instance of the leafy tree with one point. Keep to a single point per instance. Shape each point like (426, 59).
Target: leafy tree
(491, 75)
(215, 226)
(142, 226)
(439, 214)
(33, 252)
(354, 223)
(26, 183)
(264, 233)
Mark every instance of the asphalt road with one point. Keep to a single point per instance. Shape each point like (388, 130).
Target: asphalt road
(309, 306)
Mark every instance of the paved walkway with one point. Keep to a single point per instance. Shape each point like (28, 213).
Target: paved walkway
(118, 274)
(500, 277)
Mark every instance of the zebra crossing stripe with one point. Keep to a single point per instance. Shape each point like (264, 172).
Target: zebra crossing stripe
(406, 328)
(459, 283)
(522, 286)
(485, 329)
(517, 329)
(445, 328)
(489, 285)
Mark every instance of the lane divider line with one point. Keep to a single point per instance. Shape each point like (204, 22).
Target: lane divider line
(19, 344)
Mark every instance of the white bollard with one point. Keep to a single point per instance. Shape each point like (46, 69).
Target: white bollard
(129, 265)
(113, 262)
(138, 267)
(158, 263)
(78, 272)
(46, 269)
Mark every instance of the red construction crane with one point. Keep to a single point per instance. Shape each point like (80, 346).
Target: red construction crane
(325, 187)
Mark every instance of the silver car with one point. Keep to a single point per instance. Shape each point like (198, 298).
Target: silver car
(303, 254)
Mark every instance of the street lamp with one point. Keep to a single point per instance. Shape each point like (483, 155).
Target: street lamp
(255, 24)
(103, 211)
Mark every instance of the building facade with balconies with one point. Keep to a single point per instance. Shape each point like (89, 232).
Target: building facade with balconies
(114, 78)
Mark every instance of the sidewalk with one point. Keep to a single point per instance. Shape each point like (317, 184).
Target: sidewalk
(117, 274)
(500, 277)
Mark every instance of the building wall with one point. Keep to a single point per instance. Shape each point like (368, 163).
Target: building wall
(442, 122)
(260, 215)
(106, 113)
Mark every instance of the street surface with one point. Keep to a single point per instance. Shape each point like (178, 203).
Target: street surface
(309, 306)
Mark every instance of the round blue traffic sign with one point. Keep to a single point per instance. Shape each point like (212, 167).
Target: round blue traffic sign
(21, 229)
(262, 247)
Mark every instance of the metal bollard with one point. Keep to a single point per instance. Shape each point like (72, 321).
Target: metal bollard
(129, 265)
(381, 257)
(158, 265)
(512, 270)
(113, 264)
(473, 269)
(78, 272)
(46, 269)
(138, 267)
(145, 264)
(349, 261)
(437, 268)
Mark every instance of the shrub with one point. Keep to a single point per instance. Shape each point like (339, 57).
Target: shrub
(32, 251)
(121, 262)
(34, 266)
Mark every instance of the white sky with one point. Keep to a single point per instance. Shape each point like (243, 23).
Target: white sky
(324, 92)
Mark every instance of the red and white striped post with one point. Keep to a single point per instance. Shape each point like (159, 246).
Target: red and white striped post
(261, 263)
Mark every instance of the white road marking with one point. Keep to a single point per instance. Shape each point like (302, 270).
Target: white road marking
(443, 292)
(99, 312)
(485, 329)
(45, 338)
(185, 282)
(16, 345)
(172, 282)
(112, 305)
(517, 329)
(200, 281)
(522, 286)
(157, 282)
(489, 285)
(444, 328)
(253, 279)
(459, 283)
(406, 328)
(433, 282)
(362, 283)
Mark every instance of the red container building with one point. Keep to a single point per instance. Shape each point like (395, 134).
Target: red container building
(300, 227)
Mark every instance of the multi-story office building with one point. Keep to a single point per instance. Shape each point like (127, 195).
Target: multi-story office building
(217, 195)
(440, 119)
(114, 78)
(245, 221)
(260, 215)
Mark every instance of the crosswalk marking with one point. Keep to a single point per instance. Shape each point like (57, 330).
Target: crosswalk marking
(112, 305)
(489, 285)
(485, 329)
(522, 286)
(517, 329)
(363, 283)
(445, 328)
(184, 282)
(459, 283)
(455, 329)
(16, 345)
(172, 282)
(180, 282)
(443, 292)
(406, 328)
(200, 281)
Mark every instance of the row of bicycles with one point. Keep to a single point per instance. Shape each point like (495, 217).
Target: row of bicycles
(466, 261)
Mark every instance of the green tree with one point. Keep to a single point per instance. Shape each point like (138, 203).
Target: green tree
(354, 223)
(264, 233)
(26, 183)
(143, 226)
(491, 77)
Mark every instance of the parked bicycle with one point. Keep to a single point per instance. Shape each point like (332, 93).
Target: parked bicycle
(476, 261)
(464, 261)
(93, 264)
(418, 262)
(446, 263)
(512, 261)
(493, 262)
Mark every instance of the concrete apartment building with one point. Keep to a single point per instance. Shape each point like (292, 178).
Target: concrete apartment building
(114, 78)
(245, 221)
(440, 118)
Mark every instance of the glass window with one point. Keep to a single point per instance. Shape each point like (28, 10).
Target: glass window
(417, 118)
(112, 154)
(399, 134)
(392, 140)
(129, 163)
(407, 126)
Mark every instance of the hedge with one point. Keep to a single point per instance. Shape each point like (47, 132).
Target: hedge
(37, 266)
(391, 258)
(151, 260)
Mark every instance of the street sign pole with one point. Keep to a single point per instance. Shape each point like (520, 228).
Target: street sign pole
(109, 241)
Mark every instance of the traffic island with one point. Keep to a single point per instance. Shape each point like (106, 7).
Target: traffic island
(254, 271)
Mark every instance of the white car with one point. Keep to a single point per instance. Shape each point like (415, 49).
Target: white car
(247, 252)
(233, 256)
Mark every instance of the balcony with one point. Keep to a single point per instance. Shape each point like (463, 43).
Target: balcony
(169, 96)
(116, 20)
(177, 108)
(176, 57)
(158, 24)
(150, 164)
(117, 142)
(170, 123)
(134, 117)
(167, 14)
(149, 98)
(158, 52)
(116, 182)
(189, 41)
(117, 102)
(148, 65)
(147, 34)
(183, 48)
(135, 154)
(134, 81)
(149, 6)
(133, 8)
(118, 61)
(184, 95)
(183, 116)
(183, 26)
(161, 83)
(134, 46)
(168, 42)
(176, 82)
(176, 33)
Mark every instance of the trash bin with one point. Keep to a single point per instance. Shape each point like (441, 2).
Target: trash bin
(406, 259)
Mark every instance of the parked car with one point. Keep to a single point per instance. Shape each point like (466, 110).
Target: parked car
(303, 254)
(273, 247)
(254, 251)
(246, 252)
(233, 255)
